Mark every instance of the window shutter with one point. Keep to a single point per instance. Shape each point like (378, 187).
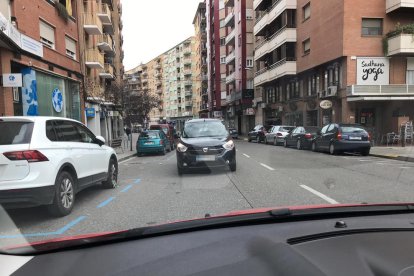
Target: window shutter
(47, 32)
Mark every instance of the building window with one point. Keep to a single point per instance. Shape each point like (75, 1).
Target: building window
(249, 62)
(47, 35)
(371, 26)
(70, 47)
(250, 84)
(223, 60)
(306, 46)
(306, 11)
(249, 14)
(222, 41)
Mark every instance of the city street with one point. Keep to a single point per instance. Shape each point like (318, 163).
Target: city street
(151, 192)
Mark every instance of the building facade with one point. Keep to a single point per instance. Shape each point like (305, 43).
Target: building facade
(100, 34)
(39, 48)
(335, 61)
(200, 63)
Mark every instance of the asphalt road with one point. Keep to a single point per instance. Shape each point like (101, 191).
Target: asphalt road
(151, 192)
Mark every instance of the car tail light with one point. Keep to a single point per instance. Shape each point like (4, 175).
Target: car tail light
(279, 134)
(339, 136)
(30, 155)
(369, 136)
(161, 142)
(308, 135)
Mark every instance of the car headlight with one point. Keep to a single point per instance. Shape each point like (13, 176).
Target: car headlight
(181, 147)
(229, 145)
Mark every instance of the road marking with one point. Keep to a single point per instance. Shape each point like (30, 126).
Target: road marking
(406, 167)
(246, 155)
(129, 159)
(267, 167)
(126, 188)
(106, 202)
(321, 195)
(58, 232)
(138, 180)
(365, 160)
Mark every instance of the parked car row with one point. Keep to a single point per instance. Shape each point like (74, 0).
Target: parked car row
(333, 138)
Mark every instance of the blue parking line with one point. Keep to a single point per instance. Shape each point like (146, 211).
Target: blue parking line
(106, 202)
(126, 188)
(58, 232)
(138, 180)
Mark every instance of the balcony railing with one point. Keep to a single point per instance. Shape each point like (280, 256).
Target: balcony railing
(402, 44)
(105, 14)
(229, 20)
(188, 82)
(230, 78)
(107, 72)
(286, 66)
(392, 5)
(230, 37)
(230, 57)
(204, 78)
(187, 51)
(381, 90)
(187, 61)
(188, 72)
(106, 43)
(94, 59)
(280, 37)
(188, 93)
(92, 24)
(229, 3)
(188, 103)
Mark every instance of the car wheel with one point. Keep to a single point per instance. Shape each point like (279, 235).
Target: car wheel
(249, 139)
(232, 165)
(285, 143)
(314, 148)
(332, 149)
(299, 145)
(274, 142)
(64, 198)
(164, 151)
(265, 141)
(112, 181)
(365, 152)
(139, 154)
(258, 139)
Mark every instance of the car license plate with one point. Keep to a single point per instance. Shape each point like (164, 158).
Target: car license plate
(355, 138)
(149, 143)
(205, 158)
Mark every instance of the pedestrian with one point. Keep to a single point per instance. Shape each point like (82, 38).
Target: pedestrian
(125, 138)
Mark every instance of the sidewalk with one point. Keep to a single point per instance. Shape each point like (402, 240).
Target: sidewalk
(398, 153)
(127, 150)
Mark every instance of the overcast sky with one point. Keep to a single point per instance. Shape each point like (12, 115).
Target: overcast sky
(152, 27)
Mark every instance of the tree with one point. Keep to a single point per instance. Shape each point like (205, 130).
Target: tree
(138, 105)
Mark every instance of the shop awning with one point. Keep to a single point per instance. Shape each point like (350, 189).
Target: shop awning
(383, 98)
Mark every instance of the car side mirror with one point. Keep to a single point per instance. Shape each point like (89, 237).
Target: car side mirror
(100, 140)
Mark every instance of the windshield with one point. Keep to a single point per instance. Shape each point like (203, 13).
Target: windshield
(121, 114)
(204, 129)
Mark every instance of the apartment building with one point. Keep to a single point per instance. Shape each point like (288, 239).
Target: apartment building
(200, 63)
(335, 61)
(100, 36)
(239, 64)
(39, 59)
(155, 87)
(178, 74)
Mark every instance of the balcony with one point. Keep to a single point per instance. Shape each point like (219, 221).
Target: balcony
(392, 5)
(109, 2)
(188, 103)
(203, 35)
(402, 44)
(105, 14)
(229, 20)
(107, 72)
(158, 82)
(279, 69)
(92, 24)
(187, 51)
(231, 57)
(188, 82)
(204, 78)
(275, 41)
(106, 44)
(158, 66)
(401, 91)
(188, 72)
(257, 4)
(94, 59)
(187, 61)
(159, 91)
(230, 37)
(108, 28)
(231, 78)
(271, 14)
(229, 3)
(189, 93)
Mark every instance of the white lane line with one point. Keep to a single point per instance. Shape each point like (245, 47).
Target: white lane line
(321, 195)
(129, 159)
(406, 167)
(246, 155)
(267, 167)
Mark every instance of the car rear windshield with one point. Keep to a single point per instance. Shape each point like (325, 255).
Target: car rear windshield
(311, 129)
(152, 135)
(352, 129)
(286, 128)
(204, 129)
(13, 133)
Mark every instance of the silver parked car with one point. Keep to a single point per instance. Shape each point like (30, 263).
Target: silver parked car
(276, 135)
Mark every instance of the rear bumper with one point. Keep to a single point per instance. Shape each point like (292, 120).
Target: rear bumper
(352, 145)
(27, 197)
(150, 149)
(188, 161)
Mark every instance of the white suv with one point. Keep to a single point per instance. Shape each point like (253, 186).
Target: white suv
(47, 160)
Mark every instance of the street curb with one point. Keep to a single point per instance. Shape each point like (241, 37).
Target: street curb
(126, 157)
(394, 157)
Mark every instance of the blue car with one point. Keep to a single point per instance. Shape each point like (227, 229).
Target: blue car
(152, 141)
